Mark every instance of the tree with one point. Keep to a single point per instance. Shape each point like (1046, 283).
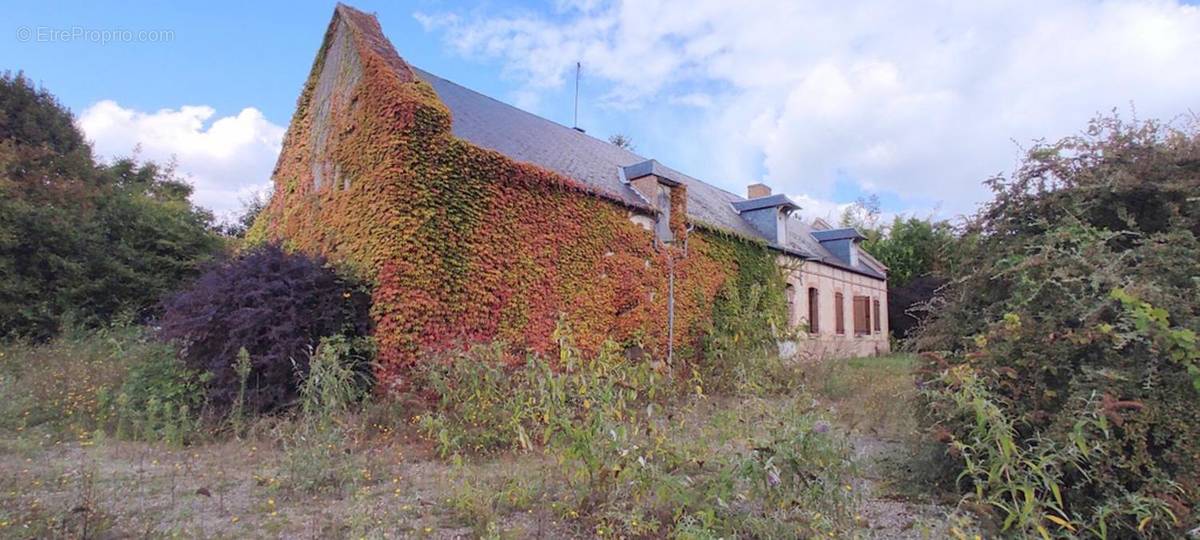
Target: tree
(83, 241)
(863, 215)
(251, 207)
(622, 141)
(919, 253)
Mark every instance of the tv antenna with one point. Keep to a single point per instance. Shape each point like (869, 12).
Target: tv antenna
(578, 68)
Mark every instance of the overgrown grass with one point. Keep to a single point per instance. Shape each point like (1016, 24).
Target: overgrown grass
(869, 393)
(632, 454)
(114, 381)
(577, 447)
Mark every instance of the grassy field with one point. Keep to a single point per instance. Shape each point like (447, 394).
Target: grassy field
(857, 462)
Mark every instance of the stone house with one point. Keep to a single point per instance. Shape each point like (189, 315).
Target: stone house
(481, 221)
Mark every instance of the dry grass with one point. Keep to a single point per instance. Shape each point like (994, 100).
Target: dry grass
(237, 489)
(63, 477)
(868, 395)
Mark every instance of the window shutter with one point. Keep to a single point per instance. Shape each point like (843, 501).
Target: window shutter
(862, 317)
(839, 313)
(814, 310)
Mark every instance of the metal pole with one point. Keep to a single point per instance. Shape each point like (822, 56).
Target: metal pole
(670, 308)
(578, 67)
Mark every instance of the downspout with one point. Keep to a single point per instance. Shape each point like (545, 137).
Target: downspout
(671, 296)
(670, 309)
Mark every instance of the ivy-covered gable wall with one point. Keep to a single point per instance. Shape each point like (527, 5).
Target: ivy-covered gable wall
(463, 244)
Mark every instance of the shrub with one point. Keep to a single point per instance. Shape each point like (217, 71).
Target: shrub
(274, 304)
(742, 352)
(159, 399)
(1081, 299)
(1025, 479)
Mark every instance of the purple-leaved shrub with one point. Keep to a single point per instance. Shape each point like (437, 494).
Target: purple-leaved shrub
(278, 306)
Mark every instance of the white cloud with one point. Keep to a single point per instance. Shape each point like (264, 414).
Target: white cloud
(812, 208)
(918, 99)
(227, 159)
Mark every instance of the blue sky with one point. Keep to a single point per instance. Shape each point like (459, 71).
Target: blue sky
(228, 55)
(916, 103)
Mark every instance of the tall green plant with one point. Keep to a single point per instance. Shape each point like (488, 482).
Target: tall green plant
(316, 453)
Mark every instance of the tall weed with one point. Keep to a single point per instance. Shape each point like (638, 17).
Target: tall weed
(116, 380)
(1022, 481)
(317, 455)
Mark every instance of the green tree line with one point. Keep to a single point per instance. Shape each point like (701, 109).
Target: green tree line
(83, 242)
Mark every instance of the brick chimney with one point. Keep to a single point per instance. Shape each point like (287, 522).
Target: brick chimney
(754, 191)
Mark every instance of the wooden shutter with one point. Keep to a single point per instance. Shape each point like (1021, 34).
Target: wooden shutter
(878, 325)
(814, 310)
(862, 315)
(839, 313)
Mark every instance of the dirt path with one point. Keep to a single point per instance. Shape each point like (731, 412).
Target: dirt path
(873, 402)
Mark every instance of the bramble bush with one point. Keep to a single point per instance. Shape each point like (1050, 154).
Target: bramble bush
(1079, 302)
(275, 305)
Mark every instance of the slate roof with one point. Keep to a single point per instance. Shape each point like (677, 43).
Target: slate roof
(490, 123)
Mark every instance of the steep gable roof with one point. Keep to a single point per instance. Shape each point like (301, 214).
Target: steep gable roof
(600, 165)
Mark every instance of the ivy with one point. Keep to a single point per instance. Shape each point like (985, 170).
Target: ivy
(464, 245)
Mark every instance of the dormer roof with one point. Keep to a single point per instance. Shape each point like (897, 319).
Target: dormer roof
(652, 167)
(830, 235)
(777, 200)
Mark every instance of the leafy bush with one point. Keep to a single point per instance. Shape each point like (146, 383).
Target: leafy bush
(1081, 299)
(1025, 480)
(159, 399)
(275, 305)
(742, 352)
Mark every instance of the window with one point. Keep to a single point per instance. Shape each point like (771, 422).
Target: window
(813, 310)
(789, 292)
(862, 315)
(878, 325)
(839, 314)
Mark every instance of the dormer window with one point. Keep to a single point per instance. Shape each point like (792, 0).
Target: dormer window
(656, 184)
(769, 214)
(842, 243)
